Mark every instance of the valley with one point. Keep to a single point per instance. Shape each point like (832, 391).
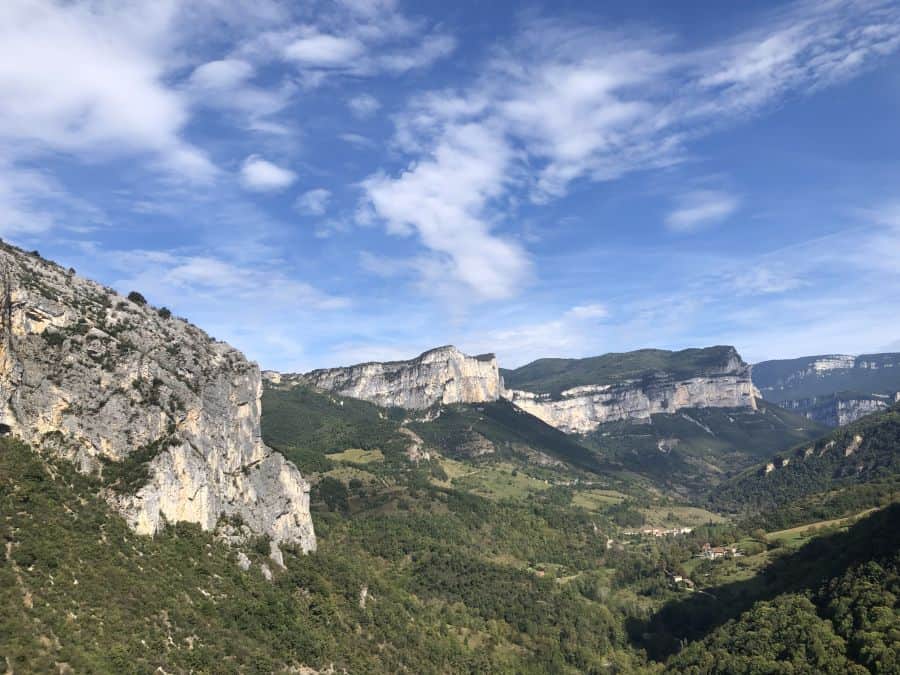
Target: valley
(455, 531)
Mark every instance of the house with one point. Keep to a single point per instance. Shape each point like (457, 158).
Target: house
(716, 552)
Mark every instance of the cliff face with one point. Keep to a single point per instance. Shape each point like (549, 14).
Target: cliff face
(837, 411)
(444, 375)
(169, 417)
(811, 376)
(582, 409)
(834, 389)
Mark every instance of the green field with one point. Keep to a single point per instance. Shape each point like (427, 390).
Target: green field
(597, 500)
(357, 456)
(682, 516)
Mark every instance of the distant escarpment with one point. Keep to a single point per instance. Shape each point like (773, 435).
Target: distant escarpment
(842, 408)
(167, 417)
(439, 376)
(864, 452)
(578, 395)
(834, 389)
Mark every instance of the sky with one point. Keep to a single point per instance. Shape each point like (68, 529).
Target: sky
(324, 183)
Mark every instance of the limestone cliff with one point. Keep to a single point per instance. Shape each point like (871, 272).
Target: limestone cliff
(724, 383)
(840, 409)
(444, 375)
(126, 391)
(811, 376)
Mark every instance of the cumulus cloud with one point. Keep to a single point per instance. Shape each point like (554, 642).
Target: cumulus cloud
(700, 208)
(261, 175)
(313, 202)
(443, 198)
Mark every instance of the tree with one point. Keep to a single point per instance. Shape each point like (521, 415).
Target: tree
(137, 298)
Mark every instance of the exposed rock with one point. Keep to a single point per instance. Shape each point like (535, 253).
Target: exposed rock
(854, 446)
(475, 445)
(443, 375)
(415, 451)
(275, 554)
(266, 572)
(243, 561)
(582, 409)
(839, 410)
(120, 390)
(834, 389)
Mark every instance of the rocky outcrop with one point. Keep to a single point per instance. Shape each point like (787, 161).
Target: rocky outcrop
(842, 409)
(834, 389)
(167, 416)
(444, 375)
(582, 409)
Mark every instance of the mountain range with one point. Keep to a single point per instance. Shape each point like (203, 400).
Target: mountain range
(158, 495)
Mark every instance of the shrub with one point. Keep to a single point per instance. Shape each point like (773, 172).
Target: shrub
(164, 312)
(137, 298)
(53, 339)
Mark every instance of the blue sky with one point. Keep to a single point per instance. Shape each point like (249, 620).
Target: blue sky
(325, 183)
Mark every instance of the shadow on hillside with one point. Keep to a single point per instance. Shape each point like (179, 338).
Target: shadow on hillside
(678, 622)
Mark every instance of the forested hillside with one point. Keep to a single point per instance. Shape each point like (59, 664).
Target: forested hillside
(556, 375)
(855, 467)
(831, 607)
(692, 450)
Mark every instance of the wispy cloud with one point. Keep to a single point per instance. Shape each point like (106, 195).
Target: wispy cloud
(354, 40)
(313, 202)
(227, 84)
(88, 79)
(364, 105)
(566, 102)
(442, 199)
(699, 209)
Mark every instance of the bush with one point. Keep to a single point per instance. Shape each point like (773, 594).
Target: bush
(137, 298)
(53, 338)
(165, 312)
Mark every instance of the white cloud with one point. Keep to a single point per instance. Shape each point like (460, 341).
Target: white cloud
(227, 84)
(592, 311)
(190, 280)
(432, 48)
(313, 202)
(318, 49)
(90, 79)
(352, 39)
(260, 175)
(700, 208)
(364, 105)
(444, 198)
(221, 74)
(565, 102)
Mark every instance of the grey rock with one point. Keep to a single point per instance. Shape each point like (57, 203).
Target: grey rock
(443, 375)
(582, 409)
(92, 377)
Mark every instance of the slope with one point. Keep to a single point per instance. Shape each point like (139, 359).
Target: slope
(695, 448)
(812, 376)
(830, 607)
(556, 375)
(851, 468)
